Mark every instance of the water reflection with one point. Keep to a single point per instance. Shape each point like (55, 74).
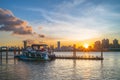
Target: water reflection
(61, 69)
(74, 63)
(9, 61)
(65, 69)
(11, 71)
(74, 70)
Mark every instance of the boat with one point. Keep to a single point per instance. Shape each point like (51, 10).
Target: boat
(36, 52)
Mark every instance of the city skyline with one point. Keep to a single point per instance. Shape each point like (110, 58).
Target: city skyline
(99, 45)
(73, 21)
(104, 43)
(59, 39)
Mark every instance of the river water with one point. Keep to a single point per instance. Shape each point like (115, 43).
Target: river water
(63, 69)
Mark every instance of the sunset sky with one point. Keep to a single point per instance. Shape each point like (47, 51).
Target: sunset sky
(49, 21)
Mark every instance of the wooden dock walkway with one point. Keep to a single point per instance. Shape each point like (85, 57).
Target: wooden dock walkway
(74, 56)
(83, 57)
(6, 52)
(79, 57)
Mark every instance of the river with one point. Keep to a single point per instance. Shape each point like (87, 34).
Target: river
(63, 69)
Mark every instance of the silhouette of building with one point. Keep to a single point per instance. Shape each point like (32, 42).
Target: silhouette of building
(105, 43)
(115, 43)
(66, 48)
(58, 45)
(25, 43)
(97, 45)
(51, 46)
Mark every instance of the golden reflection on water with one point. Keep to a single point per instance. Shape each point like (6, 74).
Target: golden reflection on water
(86, 68)
(9, 61)
(66, 69)
(63, 69)
(11, 70)
(87, 55)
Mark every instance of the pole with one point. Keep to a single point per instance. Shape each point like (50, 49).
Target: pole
(102, 52)
(6, 53)
(1, 54)
(18, 51)
(74, 50)
(14, 52)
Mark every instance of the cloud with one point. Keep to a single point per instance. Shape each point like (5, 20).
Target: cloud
(33, 41)
(67, 6)
(41, 35)
(68, 26)
(79, 19)
(8, 22)
(36, 35)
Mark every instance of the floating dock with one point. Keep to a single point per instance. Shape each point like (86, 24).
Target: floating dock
(74, 56)
(79, 57)
(83, 57)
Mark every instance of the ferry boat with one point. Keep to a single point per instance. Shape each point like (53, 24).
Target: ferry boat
(36, 52)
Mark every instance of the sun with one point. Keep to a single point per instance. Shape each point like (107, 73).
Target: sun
(86, 45)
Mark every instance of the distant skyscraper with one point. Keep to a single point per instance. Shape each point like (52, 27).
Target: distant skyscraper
(25, 43)
(97, 45)
(115, 43)
(105, 43)
(52, 47)
(58, 45)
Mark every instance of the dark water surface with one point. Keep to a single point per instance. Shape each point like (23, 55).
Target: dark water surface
(63, 69)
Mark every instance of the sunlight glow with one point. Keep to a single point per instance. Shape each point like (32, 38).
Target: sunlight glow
(86, 45)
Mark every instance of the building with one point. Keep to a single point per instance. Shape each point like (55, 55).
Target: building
(58, 45)
(52, 47)
(97, 45)
(115, 43)
(105, 43)
(66, 48)
(25, 43)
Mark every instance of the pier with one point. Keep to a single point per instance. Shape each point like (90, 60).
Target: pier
(6, 52)
(72, 56)
(79, 57)
(83, 57)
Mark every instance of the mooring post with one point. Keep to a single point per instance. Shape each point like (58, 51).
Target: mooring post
(14, 52)
(74, 50)
(102, 52)
(18, 51)
(53, 50)
(1, 54)
(6, 53)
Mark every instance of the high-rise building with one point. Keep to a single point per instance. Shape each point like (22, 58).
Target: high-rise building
(115, 43)
(105, 43)
(97, 45)
(25, 43)
(58, 45)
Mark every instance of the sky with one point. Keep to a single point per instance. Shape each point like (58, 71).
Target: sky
(49, 21)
